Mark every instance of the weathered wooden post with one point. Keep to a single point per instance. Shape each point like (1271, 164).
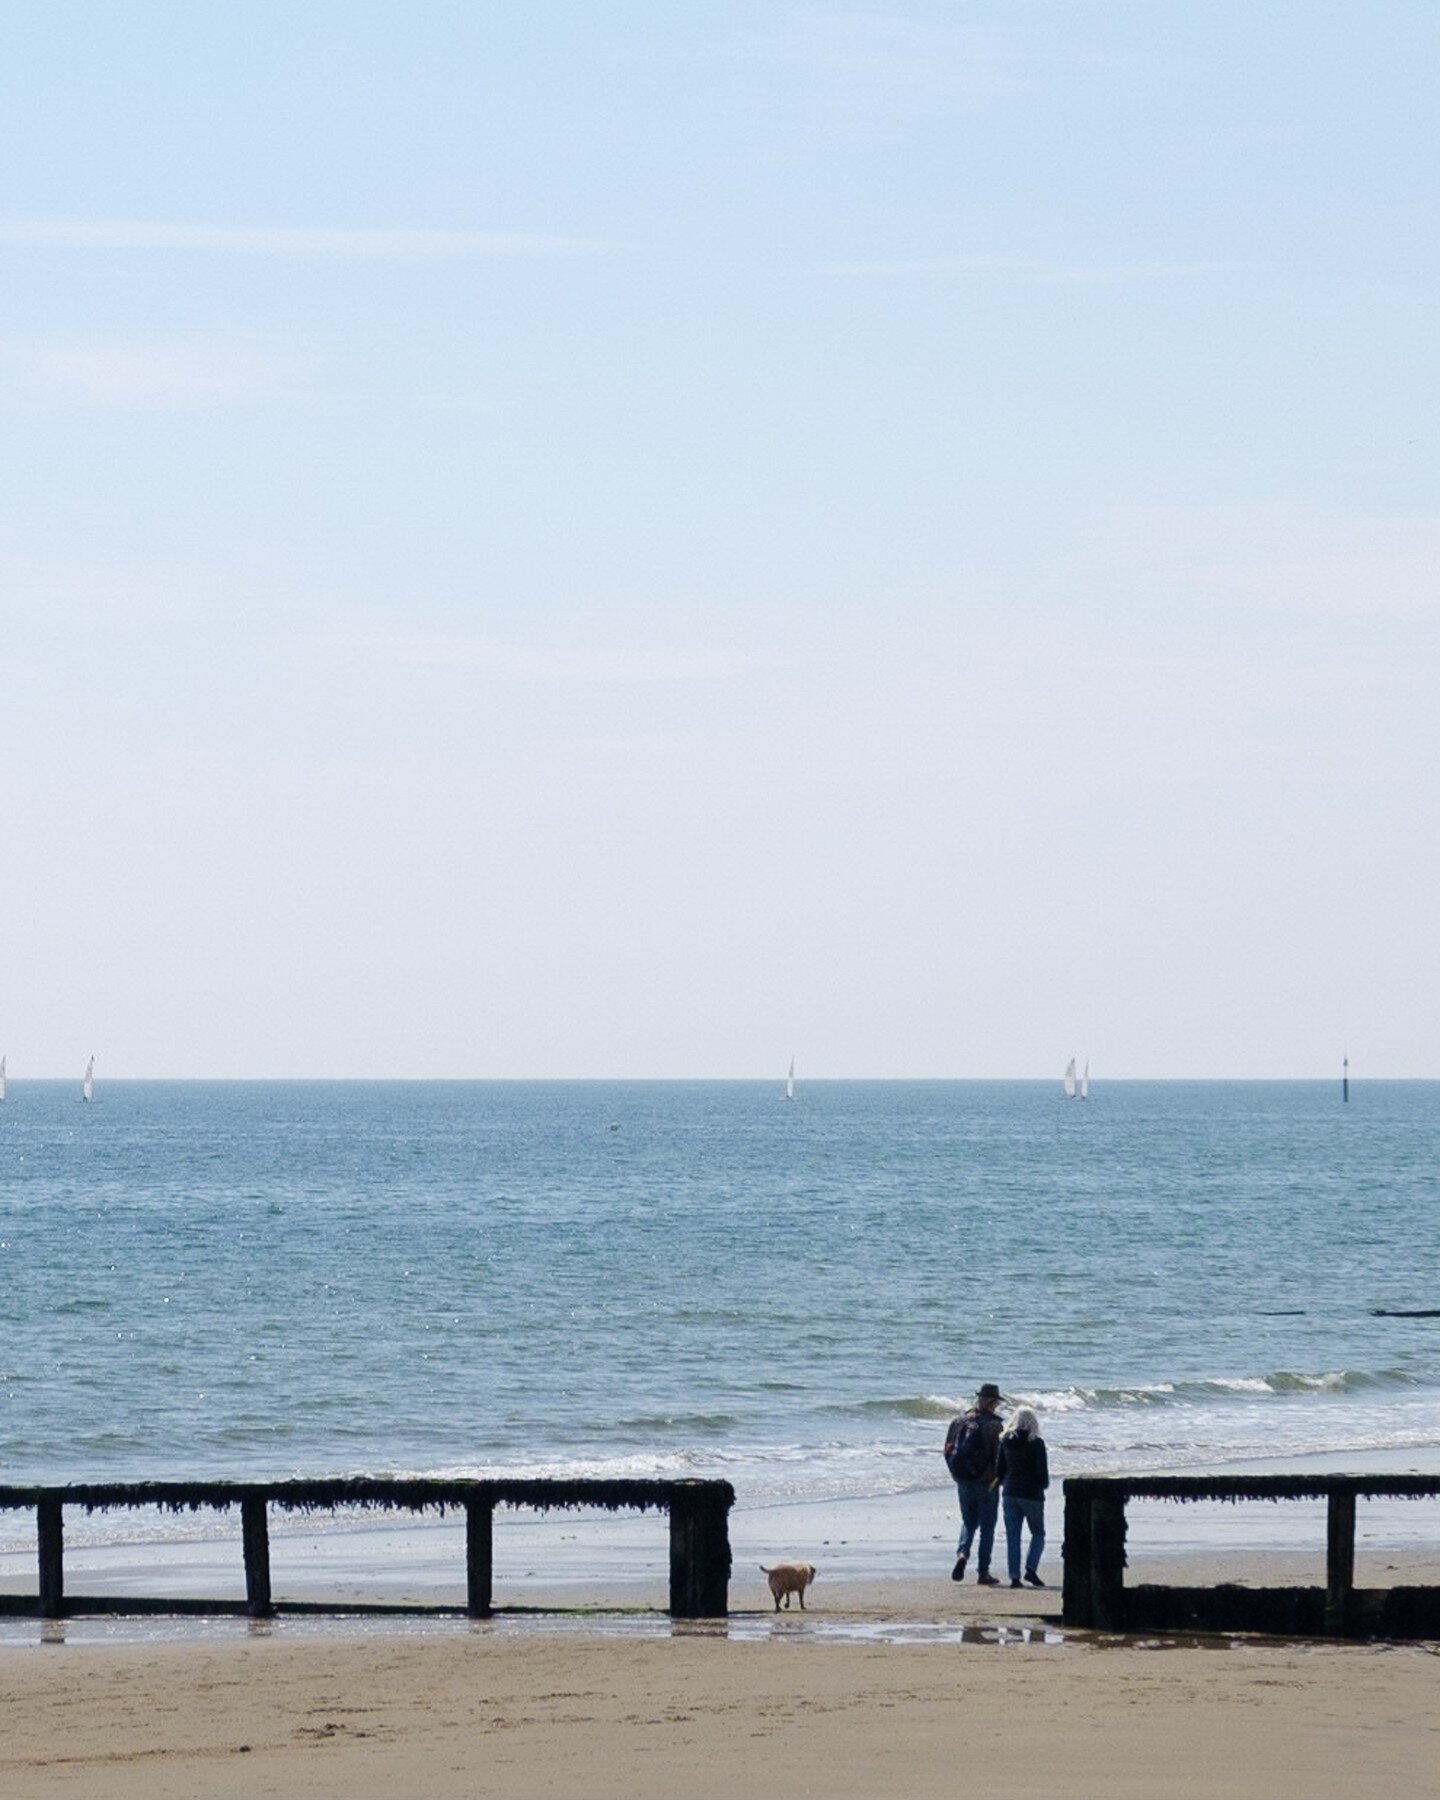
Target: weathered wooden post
(1075, 1603)
(479, 1554)
(50, 1536)
(1339, 1559)
(699, 1554)
(255, 1535)
(1107, 1560)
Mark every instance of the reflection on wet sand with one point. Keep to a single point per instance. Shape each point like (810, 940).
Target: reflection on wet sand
(742, 1628)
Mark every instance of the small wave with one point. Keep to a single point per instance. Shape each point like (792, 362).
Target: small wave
(1277, 1383)
(1339, 1381)
(1065, 1400)
(929, 1407)
(682, 1422)
(914, 1406)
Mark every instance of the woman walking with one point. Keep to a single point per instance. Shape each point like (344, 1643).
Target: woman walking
(1023, 1473)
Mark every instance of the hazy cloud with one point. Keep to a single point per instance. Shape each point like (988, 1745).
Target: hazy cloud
(1041, 270)
(144, 373)
(994, 56)
(569, 654)
(1288, 557)
(378, 244)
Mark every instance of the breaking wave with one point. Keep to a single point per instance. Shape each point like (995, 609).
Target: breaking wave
(1206, 1390)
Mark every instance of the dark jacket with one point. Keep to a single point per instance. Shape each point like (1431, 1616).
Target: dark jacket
(1023, 1469)
(991, 1425)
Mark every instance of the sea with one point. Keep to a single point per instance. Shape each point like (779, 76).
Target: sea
(258, 1280)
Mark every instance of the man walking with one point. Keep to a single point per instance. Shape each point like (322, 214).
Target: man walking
(972, 1454)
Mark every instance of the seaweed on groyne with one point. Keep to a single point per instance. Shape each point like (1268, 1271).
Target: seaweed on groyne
(1253, 1487)
(373, 1492)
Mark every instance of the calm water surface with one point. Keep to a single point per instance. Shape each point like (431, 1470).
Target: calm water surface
(266, 1279)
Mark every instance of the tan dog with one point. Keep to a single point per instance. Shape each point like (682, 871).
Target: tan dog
(787, 1579)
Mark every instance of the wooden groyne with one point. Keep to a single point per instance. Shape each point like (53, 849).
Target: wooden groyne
(1096, 1596)
(699, 1533)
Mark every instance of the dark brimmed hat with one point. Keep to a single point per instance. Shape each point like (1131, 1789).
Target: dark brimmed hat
(987, 1391)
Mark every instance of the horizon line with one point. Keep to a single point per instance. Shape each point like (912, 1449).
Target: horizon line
(694, 1080)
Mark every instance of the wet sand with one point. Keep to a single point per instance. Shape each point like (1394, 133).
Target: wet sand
(881, 1688)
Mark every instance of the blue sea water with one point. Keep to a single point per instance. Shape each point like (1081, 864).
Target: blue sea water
(268, 1279)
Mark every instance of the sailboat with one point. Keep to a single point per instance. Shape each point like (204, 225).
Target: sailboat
(1069, 1082)
(1076, 1087)
(87, 1086)
(2, 1077)
(790, 1081)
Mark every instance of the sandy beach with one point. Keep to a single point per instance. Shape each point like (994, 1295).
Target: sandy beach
(887, 1687)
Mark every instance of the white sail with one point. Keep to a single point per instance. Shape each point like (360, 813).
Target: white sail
(790, 1081)
(1069, 1082)
(1084, 1093)
(2, 1077)
(87, 1086)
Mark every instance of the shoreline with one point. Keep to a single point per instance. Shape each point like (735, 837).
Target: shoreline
(838, 1605)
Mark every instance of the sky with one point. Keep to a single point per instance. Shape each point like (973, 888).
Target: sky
(641, 540)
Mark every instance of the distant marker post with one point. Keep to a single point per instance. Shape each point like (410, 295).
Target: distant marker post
(1345, 1080)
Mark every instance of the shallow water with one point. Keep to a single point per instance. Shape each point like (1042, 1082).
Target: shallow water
(30, 1634)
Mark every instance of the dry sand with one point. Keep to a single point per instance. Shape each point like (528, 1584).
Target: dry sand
(808, 1706)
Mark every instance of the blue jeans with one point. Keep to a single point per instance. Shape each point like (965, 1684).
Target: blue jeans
(1026, 1512)
(979, 1503)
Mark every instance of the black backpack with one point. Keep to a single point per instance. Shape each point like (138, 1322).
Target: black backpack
(967, 1450)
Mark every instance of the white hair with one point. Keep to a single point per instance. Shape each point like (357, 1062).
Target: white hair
(1024, 1421)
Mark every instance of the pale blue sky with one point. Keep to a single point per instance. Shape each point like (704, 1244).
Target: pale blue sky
(643, 539)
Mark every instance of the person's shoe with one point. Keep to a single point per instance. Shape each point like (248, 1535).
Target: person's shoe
(958, 1572)
(988, 1580)
(1016, 1582)
(1032, 1578)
